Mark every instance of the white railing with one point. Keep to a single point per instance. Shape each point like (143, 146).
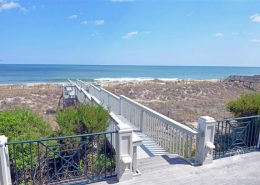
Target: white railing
(95, 91)
(108, 99)
(83, 85)
(111, 101)
(171, 135)
(82, 95)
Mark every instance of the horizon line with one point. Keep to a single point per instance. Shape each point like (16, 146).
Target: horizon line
(141, 65)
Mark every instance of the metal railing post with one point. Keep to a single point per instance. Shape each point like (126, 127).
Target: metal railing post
(5, 175)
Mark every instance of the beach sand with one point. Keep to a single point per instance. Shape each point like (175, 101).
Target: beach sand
(182, 100)
(42, 98)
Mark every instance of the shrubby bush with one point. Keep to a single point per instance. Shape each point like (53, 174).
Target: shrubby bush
(20, 125)
(84, 118)
(245, 105)
(23, 124)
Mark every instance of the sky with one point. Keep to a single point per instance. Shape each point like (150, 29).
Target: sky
(130, 32)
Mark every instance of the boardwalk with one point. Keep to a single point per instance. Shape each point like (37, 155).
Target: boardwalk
(163, 170)
(149, 147)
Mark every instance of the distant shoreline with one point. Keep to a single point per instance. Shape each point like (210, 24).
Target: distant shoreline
(107, 80)
(20, 74)
(127, 65)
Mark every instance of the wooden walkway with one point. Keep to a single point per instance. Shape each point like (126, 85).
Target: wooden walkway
(149, 147)
(166, 170)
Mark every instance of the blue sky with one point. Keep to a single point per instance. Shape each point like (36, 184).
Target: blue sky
(130, 32)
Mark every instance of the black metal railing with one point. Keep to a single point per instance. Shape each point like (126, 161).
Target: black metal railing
(82, 158)
(236, 135)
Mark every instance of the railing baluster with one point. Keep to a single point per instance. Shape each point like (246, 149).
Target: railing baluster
(47, 161)
(15, 164)
(218, 136)
(86, 156)
(190, 147)
(92, 157)
(24, 171)
(31, 162)
(111, 155)
(98, 153)
(257, 133)
(187, 146)
(224, 148)
(251, 138)
(175, 141)
(105, 154)
(39, 162)
(222, 123)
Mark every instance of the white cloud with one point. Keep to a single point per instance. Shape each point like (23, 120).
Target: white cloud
(219, 34)
(5, 5)
(121, 1)
(255, 18)
(130, 35)
(9, 5)
(255, 41)
(73, 16)
(96, 22)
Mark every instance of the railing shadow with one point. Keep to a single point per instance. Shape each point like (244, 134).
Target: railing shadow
(175, 159)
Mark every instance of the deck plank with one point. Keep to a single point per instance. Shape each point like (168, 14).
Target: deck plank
(242, 169)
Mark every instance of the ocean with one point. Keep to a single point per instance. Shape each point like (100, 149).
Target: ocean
(28, 73)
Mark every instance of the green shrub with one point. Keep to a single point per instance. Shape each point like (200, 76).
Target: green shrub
(20, 125)
(104, 163)
(85, 118)
(245, 105)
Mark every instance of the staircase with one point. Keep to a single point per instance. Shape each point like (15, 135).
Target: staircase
(150, 147)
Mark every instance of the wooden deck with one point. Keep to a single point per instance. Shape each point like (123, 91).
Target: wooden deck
(166, 170)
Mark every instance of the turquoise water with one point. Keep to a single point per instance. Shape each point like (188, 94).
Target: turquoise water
(58, 73)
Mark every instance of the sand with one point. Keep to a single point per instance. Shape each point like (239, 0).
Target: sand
(42, 98)
(182, 100)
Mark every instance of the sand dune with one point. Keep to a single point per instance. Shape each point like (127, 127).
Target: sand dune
(182, 100)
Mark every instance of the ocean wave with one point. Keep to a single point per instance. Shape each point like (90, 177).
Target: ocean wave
(135, 79)
(150, 79)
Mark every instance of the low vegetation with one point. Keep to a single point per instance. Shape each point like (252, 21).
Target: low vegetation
(19, 125)
(245, 105)
(82, 119)
(23, 124)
